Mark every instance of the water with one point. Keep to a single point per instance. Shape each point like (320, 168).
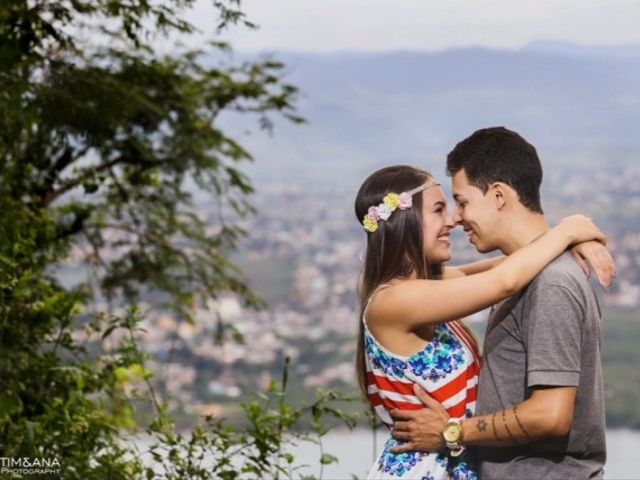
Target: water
(355, 451)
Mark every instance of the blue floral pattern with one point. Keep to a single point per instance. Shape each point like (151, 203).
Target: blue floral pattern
(459, 468)
(392, 366)
(397, 464)
(442, 355)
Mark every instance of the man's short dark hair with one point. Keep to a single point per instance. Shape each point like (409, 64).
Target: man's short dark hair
(498, 154)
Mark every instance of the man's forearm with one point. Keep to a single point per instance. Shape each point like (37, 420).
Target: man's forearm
(500, 429)
(524, 423)
(548, 412)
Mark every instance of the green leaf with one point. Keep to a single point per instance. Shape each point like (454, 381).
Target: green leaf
(10, 404)
(327, 458)
(7, 261)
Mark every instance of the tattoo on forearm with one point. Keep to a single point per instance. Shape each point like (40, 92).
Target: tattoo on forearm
(481, 425)
(524, 430)
(493, 424)
(504, 419)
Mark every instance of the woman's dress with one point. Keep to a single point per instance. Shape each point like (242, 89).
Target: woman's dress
(447, 368)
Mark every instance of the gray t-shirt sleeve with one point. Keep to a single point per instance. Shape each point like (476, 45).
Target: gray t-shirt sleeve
(553, 332)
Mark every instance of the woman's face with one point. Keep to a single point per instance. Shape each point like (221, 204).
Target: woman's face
(436, 225)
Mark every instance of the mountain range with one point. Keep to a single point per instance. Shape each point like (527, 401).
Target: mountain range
(580, 107)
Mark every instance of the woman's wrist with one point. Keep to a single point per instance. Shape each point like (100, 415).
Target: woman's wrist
(565, 233)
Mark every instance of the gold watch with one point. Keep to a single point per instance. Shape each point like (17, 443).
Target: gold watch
(452, 435)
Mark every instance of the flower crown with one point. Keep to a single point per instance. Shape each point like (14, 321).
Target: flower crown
(390, 203)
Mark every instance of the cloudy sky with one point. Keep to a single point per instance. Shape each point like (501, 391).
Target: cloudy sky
(378, 25)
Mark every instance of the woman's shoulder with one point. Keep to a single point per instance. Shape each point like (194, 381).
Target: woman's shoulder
(380, 299)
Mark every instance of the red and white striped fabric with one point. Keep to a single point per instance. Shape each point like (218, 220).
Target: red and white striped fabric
(447, 367)
(456, 391)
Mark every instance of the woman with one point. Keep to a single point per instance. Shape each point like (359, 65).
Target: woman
(410, 306)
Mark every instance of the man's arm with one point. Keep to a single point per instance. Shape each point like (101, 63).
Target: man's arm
(547, 413)
(551, 335)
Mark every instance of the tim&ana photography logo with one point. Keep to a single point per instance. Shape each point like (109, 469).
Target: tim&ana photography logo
(29, 466)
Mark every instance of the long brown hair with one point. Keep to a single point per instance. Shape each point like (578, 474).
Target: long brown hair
(395, 249)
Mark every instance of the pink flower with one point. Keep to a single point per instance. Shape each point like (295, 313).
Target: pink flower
(405, 201)
(373, 213)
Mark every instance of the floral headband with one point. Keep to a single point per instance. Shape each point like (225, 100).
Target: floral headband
(390, 203)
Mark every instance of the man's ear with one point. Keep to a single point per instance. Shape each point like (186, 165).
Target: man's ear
(499, 193)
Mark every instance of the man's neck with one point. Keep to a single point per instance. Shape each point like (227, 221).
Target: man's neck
(523, 230)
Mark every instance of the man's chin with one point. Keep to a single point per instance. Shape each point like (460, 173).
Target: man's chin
(480, 248)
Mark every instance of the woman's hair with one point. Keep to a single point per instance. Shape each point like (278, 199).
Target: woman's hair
(395, 249)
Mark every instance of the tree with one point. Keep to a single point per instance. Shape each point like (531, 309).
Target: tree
(104, 143)
(112, 139)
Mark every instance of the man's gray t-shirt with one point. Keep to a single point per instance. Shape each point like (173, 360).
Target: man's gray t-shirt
(547, 335)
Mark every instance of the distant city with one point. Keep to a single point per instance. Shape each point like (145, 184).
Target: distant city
(303, 256)
(579, 107)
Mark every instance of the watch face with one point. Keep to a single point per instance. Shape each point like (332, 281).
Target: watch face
(451, 433)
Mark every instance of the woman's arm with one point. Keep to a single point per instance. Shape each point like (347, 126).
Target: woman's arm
(472, 268)
(418, 302)
(592, 256)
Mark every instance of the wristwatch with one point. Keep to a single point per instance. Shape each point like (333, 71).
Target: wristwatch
(452, 435)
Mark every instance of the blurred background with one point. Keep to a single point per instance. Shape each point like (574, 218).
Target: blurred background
(385, 83)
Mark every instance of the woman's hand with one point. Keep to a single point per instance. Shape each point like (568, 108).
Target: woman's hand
(579, 228)
(594, 256)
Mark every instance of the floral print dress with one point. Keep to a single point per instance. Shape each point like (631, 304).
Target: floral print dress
(447, 368)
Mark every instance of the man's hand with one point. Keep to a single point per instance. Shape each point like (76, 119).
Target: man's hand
(594, 256)
(421, 429)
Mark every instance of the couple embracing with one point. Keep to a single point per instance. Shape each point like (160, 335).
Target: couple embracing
(532, 405)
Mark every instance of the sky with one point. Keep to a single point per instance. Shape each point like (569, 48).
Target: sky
(387, 25)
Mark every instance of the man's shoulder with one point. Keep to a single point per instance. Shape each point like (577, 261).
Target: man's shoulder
(564, 271)
(563, 278)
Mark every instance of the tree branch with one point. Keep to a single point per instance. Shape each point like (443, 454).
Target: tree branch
(90, 172)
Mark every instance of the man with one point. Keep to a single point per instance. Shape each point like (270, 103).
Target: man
(540, 406)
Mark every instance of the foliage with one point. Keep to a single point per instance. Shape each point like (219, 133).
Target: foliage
(106, 148)
(115, 140)
(262, 450)
(622, 379)
(54, 402)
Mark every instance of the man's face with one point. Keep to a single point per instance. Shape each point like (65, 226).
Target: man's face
(476, 212)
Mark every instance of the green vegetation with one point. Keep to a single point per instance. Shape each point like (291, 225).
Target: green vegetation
(620, 362)
(104, 143)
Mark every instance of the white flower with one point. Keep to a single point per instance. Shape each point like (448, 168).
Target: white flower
(384, 211)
